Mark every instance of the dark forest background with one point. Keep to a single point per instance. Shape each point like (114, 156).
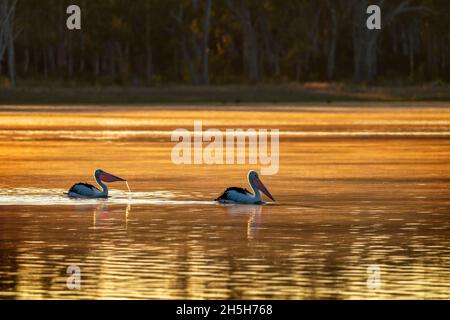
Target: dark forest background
(201, 42)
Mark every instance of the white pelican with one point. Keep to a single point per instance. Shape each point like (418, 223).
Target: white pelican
(239, 195)
(86, 190)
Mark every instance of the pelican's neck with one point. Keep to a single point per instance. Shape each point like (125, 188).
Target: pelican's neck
(256, 194)
(103, 185)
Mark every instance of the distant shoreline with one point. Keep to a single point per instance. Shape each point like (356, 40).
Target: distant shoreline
(223, 95)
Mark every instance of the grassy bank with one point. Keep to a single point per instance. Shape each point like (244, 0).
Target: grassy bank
(312, 92)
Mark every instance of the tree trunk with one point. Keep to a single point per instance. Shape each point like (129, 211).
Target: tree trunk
(82, 54)
(359, 41)
(331, 60)
(11, 50)
(7, 12)
(411, 51)
(189, 60)
(96, 65)
(51, 59)
(365, 46)
(270, 47)
(149, 70)
(249, 44)
(195, 49)
(70, 59)
(205, 49)
(26, 60)
(45, 58)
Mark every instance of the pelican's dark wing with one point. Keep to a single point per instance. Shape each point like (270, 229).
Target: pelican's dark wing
(84, 184)
(224, 195)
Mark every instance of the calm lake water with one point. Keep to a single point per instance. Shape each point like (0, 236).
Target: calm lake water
(360, 188)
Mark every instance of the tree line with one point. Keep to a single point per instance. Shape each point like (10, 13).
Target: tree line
(201, 42)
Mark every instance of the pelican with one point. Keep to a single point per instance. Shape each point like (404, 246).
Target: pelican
(239, 195)
(86, 190)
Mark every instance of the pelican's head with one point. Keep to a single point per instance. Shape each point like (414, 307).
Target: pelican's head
(254, 177)
(106, 177)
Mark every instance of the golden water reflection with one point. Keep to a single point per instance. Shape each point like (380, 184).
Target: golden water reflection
(161, 252)
(344, 203)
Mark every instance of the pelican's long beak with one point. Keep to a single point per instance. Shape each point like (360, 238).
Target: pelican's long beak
(263, 188)
(107, 177)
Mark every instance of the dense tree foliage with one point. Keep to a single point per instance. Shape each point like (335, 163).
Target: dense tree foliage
(151, 42)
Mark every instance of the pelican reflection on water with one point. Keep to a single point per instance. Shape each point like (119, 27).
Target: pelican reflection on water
(101, 212)
(254, 214)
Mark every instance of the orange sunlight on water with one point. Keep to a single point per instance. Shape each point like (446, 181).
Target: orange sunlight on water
(357, 186)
